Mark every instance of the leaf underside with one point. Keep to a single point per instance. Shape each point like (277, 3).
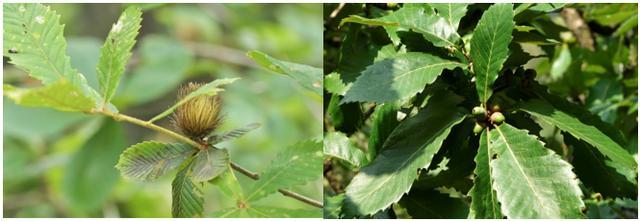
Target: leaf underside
(410, 147)
(530, 180)
(209, 163)
(307, 76)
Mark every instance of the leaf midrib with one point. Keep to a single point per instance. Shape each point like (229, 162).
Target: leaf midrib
(515, 159)
(493, 196)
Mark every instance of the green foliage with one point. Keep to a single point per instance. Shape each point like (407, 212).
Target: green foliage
(552, 191)
(489, 47)
(150, 159)
(410, 147)
(337, 145)
(187, 200)
(408, 74)
(530, 125)
(307, 76)
(116, 51)
(87, 180)
(36, 45)
(296, 165)
(60, 95)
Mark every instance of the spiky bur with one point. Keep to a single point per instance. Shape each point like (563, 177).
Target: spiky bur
(198, 117)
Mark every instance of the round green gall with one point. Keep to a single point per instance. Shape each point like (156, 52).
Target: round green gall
(497, 118)
(477, 128)
(478, 111)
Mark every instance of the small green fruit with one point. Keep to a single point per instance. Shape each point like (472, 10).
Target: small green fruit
(477, 128)
(478, 111)
(497, 117)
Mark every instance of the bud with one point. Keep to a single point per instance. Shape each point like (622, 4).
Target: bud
(497, 117)
(478, 111)
(496, 108)
(199, 116)
(477, 128)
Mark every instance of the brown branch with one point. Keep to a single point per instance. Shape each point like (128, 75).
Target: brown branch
(300, 197)
(579, 27)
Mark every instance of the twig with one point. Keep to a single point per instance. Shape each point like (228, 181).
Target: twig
(337, 10)
(240, 169)
(244, 171)
(579, 27)
(300, 197)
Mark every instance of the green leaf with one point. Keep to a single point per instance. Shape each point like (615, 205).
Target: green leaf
(617, 156)
(209, 89)
(592, 169)
(333, 84)
(60, 95)
(490, 46)
(410, 147)
(484, 204)
(451, 12)
(435, 29)
(116, 51)
(430, 204)
(33, 41)
(544, 183)
(296, 165)
(337, 145)
(397, 78)
(229, 185)
(90, 177)
(209, 163)
(561, 62)
(332, 206)
(274, 212)
(26, 122)
(150, 159)
(216, 137)
(384, 120)
(307, 76)
(627, 25)
(187, 200)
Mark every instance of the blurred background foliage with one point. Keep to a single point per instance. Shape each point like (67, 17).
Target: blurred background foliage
(60, 164)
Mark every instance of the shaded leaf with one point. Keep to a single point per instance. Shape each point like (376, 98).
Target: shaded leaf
(116, 51)
(384, 120)
(90, 177)
(522, 166)
(209, 89)
(430, 204)
(332, 206)
(397, 78)
(617, 156)
(150, 159)
(410, 147)
(307, 76)
(60, 95)
(296, 165)
(187, 200)
(337, 145)
(484, 203)
(490, 46)
(209, 163)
